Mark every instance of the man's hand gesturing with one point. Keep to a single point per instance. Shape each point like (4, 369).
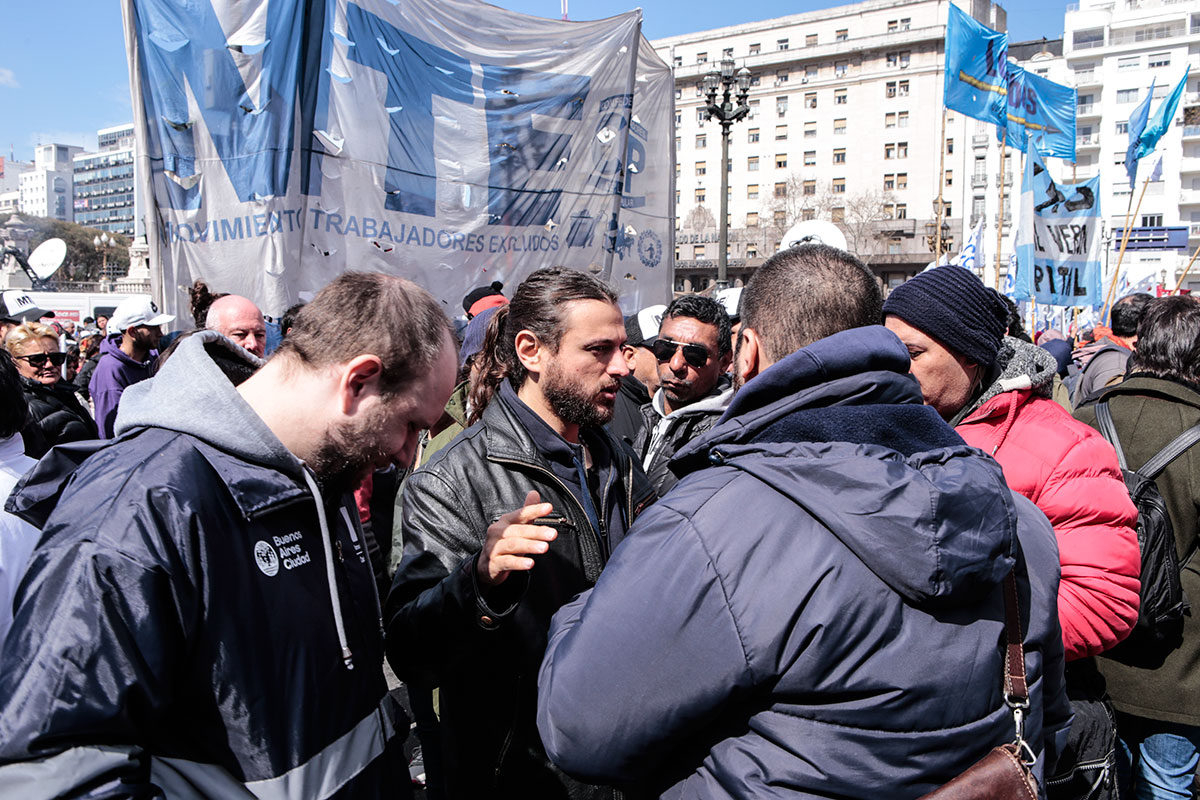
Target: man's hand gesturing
(512, 539)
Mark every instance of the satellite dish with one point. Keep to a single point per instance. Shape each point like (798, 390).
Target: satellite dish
(48, 257)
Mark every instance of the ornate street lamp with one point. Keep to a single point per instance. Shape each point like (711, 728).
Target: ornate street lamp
(731, 108)
(102, 243)
(937, 237)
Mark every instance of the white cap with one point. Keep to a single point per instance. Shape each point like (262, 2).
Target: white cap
(21, 306)
(813, 231)
(649, 320)
(135, 310)
(729, 299)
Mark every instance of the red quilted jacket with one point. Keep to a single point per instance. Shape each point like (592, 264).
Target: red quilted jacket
(1070, 472)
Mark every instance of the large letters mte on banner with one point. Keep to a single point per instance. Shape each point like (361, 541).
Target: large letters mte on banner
(446, 141)
(976, 65)
(1058, 240)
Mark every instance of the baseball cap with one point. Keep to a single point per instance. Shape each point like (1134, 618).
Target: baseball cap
(135, 310)
(642, 327)
(20, 307)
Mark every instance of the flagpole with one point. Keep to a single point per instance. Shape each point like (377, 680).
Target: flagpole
(1186, 270)
(1121, 255)
(1000, 215)
(941, 205)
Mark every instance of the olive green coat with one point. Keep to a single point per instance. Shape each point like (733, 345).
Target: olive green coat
(1148, 413)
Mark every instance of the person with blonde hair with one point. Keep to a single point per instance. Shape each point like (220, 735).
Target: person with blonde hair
(52, 401)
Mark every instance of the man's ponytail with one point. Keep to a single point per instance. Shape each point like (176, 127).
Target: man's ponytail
(493, 366)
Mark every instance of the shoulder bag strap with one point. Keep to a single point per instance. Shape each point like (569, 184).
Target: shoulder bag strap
(1016, 687)
(1109, 431)
(1177, 447)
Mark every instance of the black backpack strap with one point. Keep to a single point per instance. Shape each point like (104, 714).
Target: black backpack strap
(1109, 431)
(1172, 451)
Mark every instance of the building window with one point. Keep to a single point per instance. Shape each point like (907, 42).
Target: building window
(902, 150)
(837, 214)
(1152, 220)
(701, 58)
(840, 68)
(752, 164)
(701, 141)
(889, 152)
(697, 251)
(679, 61)
(700, 195)
(755, 49)
(781, 76)
(1155, 60)
(701, 115)
(842, 35)
(898, 58)
(678, 143)
(893, 25)
(808, 213)
(781, 44)
(754, 104)
(949, 177)
(727, 52)
(889, 182)
(839, 127)
(839, 155)
(1127, 95)
(810, 158)
(756, 80)
(901, 180)
(1123, 128)
(781, 190)
(889, 119)
(679, 94)
(1128, 62)
(701, 168)
(751, 251)
(890, 89)
(781, 161)
(752, 219)
(810, 130)
(810, 187)
(902, 89)
(752, 135)
(810, 40)
(678, 166)
(780, 132)
(949, 147)
(978, 206)
(902, 119)
(901, 211)
(810, 99)
(811, 71)
(839, 97)
(752, 191)
(781, 104)
(839, 185)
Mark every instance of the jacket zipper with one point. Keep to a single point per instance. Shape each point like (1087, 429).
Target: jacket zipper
(589, 546)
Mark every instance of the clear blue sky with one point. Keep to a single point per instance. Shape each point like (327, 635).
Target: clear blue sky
(63, 73)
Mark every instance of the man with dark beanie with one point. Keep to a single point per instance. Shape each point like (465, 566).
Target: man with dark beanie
(995, 390)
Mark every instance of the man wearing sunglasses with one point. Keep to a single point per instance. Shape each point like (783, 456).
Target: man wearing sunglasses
(693, 352)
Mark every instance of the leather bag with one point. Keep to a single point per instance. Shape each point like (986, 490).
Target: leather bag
(1006, 772)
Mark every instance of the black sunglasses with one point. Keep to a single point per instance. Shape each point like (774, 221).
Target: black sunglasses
(694, 354)
(38, 360)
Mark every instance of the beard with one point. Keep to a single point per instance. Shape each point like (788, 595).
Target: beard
(575, 403)
(348, 454)
(738, 380)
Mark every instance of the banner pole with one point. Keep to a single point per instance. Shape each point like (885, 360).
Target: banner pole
(941, 205)
(1000, 214)
(1186, 270)
(1121, 254)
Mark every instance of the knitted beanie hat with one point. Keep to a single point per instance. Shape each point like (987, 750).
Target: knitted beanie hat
(953, 306)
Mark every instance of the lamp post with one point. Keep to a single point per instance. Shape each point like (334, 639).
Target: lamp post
(937, 236)
(731, 108)
(102, 243)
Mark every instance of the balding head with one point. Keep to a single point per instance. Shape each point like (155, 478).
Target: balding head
(240, 320)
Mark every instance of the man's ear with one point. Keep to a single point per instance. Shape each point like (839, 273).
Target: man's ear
(749, 354)
(530, 352)
(358, 379)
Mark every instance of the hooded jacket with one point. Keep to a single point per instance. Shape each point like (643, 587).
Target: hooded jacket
(663, 434)
(197, 620)
(114, 373)
(815, 610)
(1072, 475)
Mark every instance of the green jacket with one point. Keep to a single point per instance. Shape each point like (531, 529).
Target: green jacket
(1148, 413)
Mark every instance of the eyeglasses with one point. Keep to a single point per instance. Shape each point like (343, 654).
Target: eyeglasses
(38, 360)
(695, 355)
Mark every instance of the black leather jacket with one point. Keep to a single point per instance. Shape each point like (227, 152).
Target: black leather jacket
(484, 654)
(58, 412)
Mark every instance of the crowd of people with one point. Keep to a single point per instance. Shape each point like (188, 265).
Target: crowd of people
(753, 545)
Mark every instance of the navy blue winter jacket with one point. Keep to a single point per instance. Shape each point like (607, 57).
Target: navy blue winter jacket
(815, 610)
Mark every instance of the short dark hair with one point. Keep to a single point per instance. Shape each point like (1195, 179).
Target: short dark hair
(706, 310)
(537, 306)
(1168, 344)
(14, 410)
(1127, 313)
(289, 318)
(806, 293)
(201, 299)
(344, 321)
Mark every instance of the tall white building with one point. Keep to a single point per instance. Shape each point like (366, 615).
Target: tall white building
(104, 182)
(46, 189)
(845, 124)
(1114, 49)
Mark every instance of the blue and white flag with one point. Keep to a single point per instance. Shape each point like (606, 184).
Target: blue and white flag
(1059, 247)
(1137, 124)
(450, 142)
(1043, 109)
(976, 62)
(1163, 115)
(971, 254)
